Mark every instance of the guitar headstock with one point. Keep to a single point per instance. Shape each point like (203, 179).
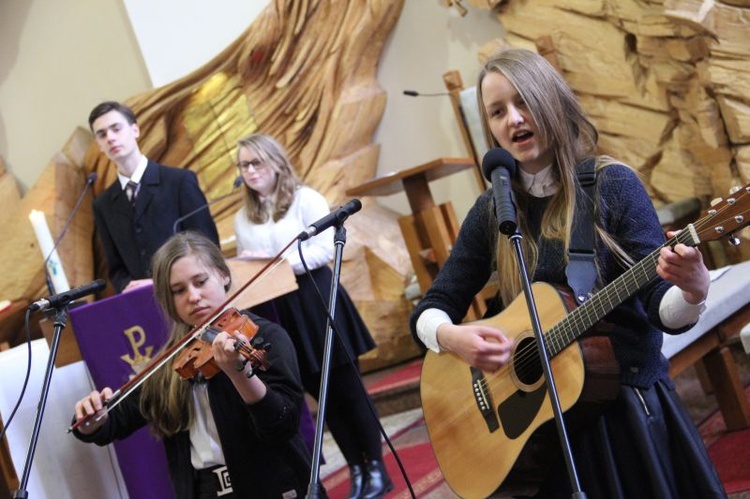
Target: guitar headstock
(725, 217)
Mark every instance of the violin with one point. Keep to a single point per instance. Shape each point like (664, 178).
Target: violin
(197, 356)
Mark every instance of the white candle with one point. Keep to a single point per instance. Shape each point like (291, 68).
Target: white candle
(49, 252)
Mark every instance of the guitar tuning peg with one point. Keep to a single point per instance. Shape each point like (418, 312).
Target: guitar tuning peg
(734, 189)
(715, 201)
(734, 240)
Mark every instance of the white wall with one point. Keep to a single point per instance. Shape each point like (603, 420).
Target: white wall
(429, 40)
(178, 37)
(58, 59)
(61, 58)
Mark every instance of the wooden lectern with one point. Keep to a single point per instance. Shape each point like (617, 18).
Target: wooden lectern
(276, 281)
(430, 230)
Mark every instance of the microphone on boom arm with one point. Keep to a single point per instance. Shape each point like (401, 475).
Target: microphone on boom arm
(64, 298)
(235, 185)
(414, 93)
(89, 182)
(336, 216)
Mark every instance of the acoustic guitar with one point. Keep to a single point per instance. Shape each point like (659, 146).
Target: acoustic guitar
(479, 422)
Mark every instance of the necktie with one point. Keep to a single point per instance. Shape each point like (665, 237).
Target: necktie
(131, 189)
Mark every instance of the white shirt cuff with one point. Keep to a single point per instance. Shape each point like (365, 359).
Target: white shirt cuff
(675, 312)
(427, 325)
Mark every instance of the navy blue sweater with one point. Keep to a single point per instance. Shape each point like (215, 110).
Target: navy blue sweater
(627, 214)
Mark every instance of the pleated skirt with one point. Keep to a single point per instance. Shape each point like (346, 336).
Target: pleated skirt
(304, 315)
(643, 446)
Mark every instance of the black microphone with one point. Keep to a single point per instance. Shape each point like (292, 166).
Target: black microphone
(64, 298)
(237, 183)
(499, 167)
(336, 216)
(414, 93)
(89, 181)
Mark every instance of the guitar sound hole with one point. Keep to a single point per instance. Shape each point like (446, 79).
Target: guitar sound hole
(526, 363)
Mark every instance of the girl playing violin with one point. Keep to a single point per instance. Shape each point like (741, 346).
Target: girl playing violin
(242, 422)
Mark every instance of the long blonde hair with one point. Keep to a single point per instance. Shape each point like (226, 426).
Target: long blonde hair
(563, 127)
(165, 396)
(273, 156)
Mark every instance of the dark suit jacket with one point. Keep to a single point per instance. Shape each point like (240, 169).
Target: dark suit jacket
(130, 237)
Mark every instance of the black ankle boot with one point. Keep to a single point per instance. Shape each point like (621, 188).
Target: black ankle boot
(377, 481)
(356, 479)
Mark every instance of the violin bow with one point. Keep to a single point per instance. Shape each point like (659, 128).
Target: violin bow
(133, 383)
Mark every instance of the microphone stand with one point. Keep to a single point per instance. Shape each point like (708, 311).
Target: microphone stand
(89, 181)
(515, 240)
(206, 206)
(61, 318)
(339, 239)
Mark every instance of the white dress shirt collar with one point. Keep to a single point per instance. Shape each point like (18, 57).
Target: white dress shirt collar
(137, 174)
(541, 184)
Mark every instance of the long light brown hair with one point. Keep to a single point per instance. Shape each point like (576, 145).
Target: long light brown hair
(165, 398)
(273, 156)
(563, 127)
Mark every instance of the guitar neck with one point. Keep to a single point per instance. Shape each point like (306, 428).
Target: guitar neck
(599, 305)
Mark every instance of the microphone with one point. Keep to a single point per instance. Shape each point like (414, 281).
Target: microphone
(337, 216)
(499, 167)
(64, 298)
(235, 185)
(414, 93)
(89, 181)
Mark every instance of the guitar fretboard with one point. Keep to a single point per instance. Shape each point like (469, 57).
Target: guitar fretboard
(620, 289)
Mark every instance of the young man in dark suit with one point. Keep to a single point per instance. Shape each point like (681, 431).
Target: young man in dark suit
(137, 213)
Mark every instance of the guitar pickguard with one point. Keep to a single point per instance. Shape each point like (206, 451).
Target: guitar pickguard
(516, 412)
(519, 410)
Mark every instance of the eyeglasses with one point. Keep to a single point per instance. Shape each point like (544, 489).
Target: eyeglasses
(256, 164)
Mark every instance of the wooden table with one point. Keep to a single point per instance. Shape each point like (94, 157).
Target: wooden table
(430, 230)
(706, 345)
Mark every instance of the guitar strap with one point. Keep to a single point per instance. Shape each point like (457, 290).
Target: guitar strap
(581, 269)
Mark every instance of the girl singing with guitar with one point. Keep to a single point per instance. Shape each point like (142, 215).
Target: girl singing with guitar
(642, 444)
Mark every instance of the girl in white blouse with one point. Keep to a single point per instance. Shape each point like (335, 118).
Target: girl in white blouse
(277, 208)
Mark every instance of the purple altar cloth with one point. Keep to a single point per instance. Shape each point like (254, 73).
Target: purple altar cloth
(116, 336)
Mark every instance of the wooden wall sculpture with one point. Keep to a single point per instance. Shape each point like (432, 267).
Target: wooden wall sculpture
(667, 82)
(303, 72)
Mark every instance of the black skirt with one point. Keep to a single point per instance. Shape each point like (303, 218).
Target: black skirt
(304, 317)
(645, 445)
